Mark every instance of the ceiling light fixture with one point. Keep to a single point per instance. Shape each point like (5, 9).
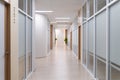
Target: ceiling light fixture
(62, 21)
(44, 11)
(62, 25)
(62, 18)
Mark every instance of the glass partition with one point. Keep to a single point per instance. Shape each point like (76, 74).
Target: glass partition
(115, 41)
(100, 4)
(90, 55)
(84, 44)
(84, 12)
(2, 54)
(29, 45)
(101, 46)
(29, 7)
(25, 38)
(22, 5)
(91, 7)
(22, 46)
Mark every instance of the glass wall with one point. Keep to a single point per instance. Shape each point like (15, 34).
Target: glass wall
(75, 41)
(22, 5)
(115, 41)
(90, 55)
(84, 12)
(29, 7)
(2, 58)
(29, 45)
(100, 4)
(101, 39)
(91, 7)
(101, 46)
(25, 38)
(22, 46)
(84, 44)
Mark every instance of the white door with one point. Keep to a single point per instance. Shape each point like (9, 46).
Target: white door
(2, 56)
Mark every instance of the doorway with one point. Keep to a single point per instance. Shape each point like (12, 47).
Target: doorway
(4, 41)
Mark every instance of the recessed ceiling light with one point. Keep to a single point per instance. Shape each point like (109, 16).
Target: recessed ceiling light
(62, 18)
(44, 11)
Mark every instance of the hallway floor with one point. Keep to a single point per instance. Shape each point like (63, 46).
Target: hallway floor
(60, 65)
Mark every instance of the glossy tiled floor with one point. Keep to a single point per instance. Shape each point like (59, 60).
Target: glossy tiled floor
(60, 65)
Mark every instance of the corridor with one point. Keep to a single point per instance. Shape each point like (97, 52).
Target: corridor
(60, 65)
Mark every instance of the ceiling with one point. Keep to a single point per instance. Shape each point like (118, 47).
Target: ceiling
(60, 8)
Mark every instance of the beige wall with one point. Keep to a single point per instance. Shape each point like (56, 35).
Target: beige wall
(14, 39)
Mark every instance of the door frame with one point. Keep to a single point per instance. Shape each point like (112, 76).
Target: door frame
(7, 42)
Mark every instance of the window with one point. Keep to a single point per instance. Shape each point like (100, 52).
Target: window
(100, 4)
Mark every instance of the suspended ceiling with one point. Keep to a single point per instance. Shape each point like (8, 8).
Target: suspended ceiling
(60, 8)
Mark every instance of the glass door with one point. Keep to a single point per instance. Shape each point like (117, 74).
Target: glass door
(2, 55)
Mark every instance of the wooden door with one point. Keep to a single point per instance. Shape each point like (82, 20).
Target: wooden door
(7, 40)
(79, 43)
(51, 36)
(71, 40)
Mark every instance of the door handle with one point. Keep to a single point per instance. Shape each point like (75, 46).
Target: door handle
(6, 53)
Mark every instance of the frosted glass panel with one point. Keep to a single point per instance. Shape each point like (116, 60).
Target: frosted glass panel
(22, 46)
(101, 35)
(1, 29)
(115, 41)
(100, 4)
(91, 8)
(84, 12)
(22, 5)
(101, 45)
(84, 44)
(29, 7)
(29, 45)
(2, 41)
(90, 45)
(75, 41)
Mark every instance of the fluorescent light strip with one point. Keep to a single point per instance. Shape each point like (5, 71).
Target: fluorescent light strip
(44, 11)
(62, 18)
(62, 25)
(62, 21)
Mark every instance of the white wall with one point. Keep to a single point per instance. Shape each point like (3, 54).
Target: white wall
(41, 35)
